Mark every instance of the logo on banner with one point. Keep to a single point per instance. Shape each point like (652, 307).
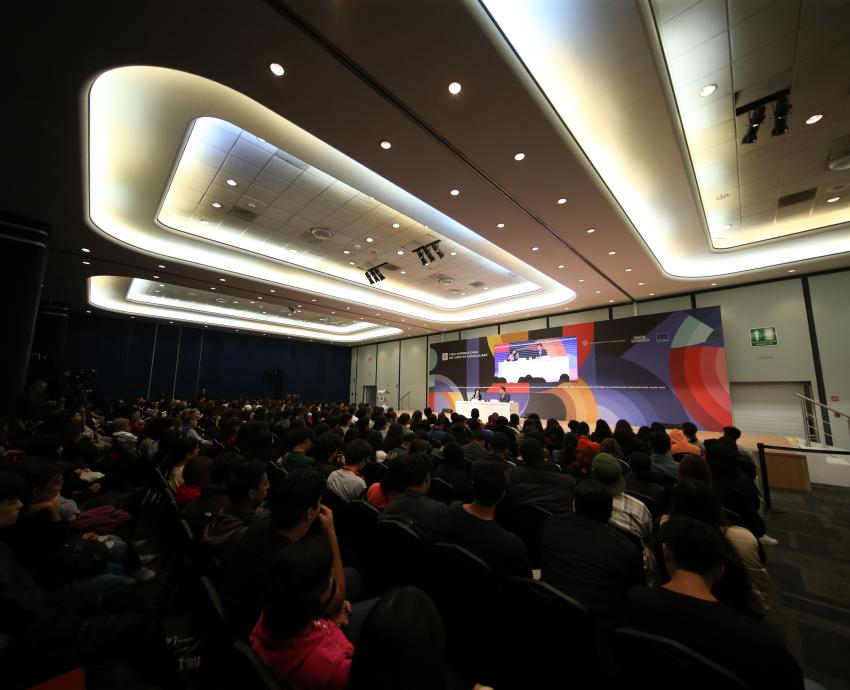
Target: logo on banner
(445, 356)
(662, 337)
(640, 339)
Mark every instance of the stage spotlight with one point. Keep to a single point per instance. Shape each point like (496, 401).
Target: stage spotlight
(436, 247)
(374, 274)
(369, 277)
(428, 254)
(780, 116)
(421, 254)
(756, 118)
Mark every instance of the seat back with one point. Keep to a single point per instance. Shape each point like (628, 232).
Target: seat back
(397, 558)
(248, 671)
(648, 660)
(525, 521)
(373, 472)
(442, 491)
(355, 526)
(562, 629)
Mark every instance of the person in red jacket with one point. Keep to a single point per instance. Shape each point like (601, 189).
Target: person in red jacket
(294, 638)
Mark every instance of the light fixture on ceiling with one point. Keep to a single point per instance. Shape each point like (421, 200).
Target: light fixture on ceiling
(86, 263)
(756, 117)
(780, 116)
(652, 294)
(534, 249)
(560, 265)
(610, 300)
(386, 144)
(272, 290)
(204, 221)
(452, 253)
(454, 88)
(713, 284)
(400, 252)
(500, 225)
(640, 284)
(812, 119)
(598, 292)
(611, 253)
(155, 277)
(232, 183)
(222, 280)
(590, 231)
(212, 288)
(160, 266)
(454, 192)
(88, 311)
(581, 280)
(216, 204)
(833, 199)
(85, 250)
(792, 270)
(404, 273)
(725, 195)
(562, 201)
(707, 90)
(628, 270)
(519, 156)
(277, 69)
(396, 226)
(370, 240)
(346, 251)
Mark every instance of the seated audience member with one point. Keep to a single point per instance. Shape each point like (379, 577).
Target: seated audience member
(611, 447)
(500, 448)
(732, 435)
(640, 479)
(627, 513)
(584, 442)
(539, 482)
(394, 437)
(301, 440)
(749, 594)
(626, 437)
(589, 560)
(693, 468)
(297, 637)
(737, 491)
(295, 506)
(390, 485)
(689, 429)
(326, 453)
(686, 610)
(347, 482)
(191, 429)
(680, 445)
(473, 526)
(601, 432)
(662, 460)
(453, 468)
(196, 476)
(566, 454)
(476, 449)
(412, 506)
(246, 487)
(181, 451)
(400, 645)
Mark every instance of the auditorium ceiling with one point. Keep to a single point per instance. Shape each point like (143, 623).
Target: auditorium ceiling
(218, 164)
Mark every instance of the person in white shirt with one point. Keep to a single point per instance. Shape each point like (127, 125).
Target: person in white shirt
(346, 482)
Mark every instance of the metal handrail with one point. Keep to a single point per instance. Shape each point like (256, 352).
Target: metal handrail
(765, 485)
(406, 395)
(826, 407)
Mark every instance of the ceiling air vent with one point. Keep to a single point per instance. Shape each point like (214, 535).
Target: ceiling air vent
(321, 233)
(476, 284)
(445, 281)
(797, 197)
(243, 214)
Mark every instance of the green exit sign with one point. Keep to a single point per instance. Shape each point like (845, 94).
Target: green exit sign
(759, 337)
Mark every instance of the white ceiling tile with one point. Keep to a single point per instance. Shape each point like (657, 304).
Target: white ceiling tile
(741, 9)
(693, 26)
(763, 28)
(249, 153)
(705, 58)
(667, 9)
(240, 168)
(280, 168)
(256, 191)
(761, 64)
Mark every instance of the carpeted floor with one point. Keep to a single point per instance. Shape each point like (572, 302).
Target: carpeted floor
(810, 571)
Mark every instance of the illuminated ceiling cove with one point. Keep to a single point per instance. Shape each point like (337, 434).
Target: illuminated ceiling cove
(594, 78)
(294, 212)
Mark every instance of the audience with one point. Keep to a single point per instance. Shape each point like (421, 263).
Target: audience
(249, 476)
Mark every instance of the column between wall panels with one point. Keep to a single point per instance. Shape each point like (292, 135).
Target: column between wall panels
(813, 337)
(153, 357)
(176, 362)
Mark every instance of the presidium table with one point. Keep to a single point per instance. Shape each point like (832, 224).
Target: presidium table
(486, 408)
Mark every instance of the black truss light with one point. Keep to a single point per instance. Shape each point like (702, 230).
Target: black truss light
(374, 274)
(436, 247)
(756, 118)
(780, 116)
(424, 252)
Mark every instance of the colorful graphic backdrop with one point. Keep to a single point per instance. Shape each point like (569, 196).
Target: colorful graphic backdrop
(668, 367)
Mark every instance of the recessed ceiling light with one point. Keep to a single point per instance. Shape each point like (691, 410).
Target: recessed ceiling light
(713, 284)
(212, 288)
(370, 240)
(404, 273)
(500, 225)
(581, 280)
(598, 292)
(235, 302)
(348, 307)
(485, 288)
(534, 249)
(725, 195)
(232, 183)
(160, 266)
(215, 204)
(345, 251)
(611, 253)
(562, 201)
(162, 284)
(400, 252)
(85, 250)
(351, 263)
(652, 294)
(590, 231)
(833, 200)
(204, 222)
(814, 118)
(132, 317)
(277, 69)
(639, 284)
(560, 265)
(519, 156)
(792, 270)
(293, 251)
(86, 263)
(272, 290)
(628, 270)
(258, 297)
(157, 290)
(155, 277)
(454, 88)
(298, 305)
(88, 311)
(222, 280)
(726, 227)
(396, 226)
(707, 90)
(312, 300)
(452, 253)
(610, 300)
(386, 144)
(454, 192)
(251, 204)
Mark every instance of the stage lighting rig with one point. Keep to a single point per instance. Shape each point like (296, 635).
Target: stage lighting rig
(780, 116)
(374, 274)
(424, 252)
(756, 118)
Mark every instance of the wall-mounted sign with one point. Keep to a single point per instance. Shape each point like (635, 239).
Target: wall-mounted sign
(760, 337)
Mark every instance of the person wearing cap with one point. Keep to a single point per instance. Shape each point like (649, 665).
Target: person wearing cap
(627, 513)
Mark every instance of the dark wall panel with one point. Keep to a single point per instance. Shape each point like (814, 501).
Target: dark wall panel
(129, 356)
